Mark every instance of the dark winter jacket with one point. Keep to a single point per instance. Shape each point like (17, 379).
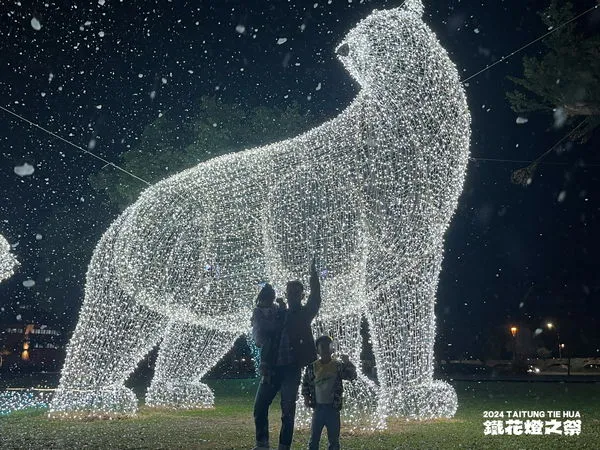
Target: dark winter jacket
(266, 331)
(301, 344)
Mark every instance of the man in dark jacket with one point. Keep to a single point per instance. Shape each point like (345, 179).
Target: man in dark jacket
(296, 350)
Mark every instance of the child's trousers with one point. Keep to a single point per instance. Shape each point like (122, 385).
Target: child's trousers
(325, 415)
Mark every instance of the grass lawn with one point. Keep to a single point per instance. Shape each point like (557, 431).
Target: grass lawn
(229, 425)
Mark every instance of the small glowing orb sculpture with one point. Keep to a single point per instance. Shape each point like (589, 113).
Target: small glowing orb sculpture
(370, 192)
(8, 262)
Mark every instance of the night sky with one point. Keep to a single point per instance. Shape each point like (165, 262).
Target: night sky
(99, 72)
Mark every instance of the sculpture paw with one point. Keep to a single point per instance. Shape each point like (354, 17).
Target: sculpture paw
(179, 395)
(428, 400)
(93, 402)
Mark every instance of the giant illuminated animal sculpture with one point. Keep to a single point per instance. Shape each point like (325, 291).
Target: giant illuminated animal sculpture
(370, 192)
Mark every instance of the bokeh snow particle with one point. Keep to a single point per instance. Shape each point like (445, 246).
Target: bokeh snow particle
(484, 51)
(521, 120)
(560, 117)
(29, 283)
(281, 41)
(561, 196)
(36, 25)
(240, 29)
(24, 170)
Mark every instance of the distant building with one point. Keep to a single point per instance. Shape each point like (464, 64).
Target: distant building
(30, 347)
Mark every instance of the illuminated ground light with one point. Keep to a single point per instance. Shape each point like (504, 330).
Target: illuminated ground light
(8, 262)
(370, 192)
(17, 400)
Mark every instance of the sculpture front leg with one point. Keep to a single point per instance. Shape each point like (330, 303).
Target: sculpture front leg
(402, 323)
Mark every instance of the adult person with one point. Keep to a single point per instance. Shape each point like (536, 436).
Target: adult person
(296, 350)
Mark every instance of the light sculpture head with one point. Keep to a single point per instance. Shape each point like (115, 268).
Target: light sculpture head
(380, 46)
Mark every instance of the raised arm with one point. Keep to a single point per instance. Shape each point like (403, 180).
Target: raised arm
(314, 299)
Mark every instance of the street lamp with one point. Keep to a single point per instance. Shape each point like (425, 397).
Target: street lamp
(513, 331)
(550, 326)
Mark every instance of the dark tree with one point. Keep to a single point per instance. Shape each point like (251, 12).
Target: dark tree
(564, 82)
(181, 139)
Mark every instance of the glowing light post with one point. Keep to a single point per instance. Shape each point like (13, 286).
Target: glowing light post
(551, 326)
(370, 192)
(513, 332)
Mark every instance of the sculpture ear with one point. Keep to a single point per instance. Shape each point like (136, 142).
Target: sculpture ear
(415, 6)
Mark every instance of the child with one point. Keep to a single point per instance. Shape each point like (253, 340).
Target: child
(267, 322)
(323, 391)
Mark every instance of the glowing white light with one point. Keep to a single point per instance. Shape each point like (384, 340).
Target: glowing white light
(8, 262)
(24, 170)
(35, 24)
(370, 192)
(11, 401)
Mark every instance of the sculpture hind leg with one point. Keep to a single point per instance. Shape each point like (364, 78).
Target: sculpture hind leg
(112, 336)
(402, 323)
(186, 354)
